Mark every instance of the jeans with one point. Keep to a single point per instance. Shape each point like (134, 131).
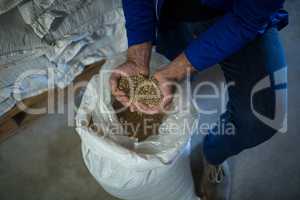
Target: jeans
(257, 102)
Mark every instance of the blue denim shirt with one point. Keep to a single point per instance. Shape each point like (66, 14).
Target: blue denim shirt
(243, 21)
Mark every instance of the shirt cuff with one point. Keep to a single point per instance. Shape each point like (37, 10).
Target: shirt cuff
(139, 37)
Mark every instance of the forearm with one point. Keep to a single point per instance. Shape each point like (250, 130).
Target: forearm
(232, 32)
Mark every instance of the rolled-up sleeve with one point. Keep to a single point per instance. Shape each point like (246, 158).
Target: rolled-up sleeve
(140, 21)
(246, 20)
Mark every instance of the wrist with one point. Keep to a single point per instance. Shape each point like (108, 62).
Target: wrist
(140, 55)
(178, 69)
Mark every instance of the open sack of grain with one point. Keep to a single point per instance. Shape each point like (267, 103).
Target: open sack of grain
(156, 168)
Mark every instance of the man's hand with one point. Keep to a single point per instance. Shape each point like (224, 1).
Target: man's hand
(177, 70)
(138, 59)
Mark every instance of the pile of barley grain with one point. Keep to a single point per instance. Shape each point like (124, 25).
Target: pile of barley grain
(141, 89)
(146, 91)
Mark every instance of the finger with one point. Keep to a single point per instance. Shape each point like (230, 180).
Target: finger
(168, 107)
(133, 108)
(122, 99)
(166, 102)
(140, 107)
(147, 109)
(114, 82)
(119, 92)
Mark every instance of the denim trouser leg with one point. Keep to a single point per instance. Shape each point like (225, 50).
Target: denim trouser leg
(257, 100)
(257, 88)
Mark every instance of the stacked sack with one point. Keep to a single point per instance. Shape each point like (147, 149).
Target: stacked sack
(58, 35)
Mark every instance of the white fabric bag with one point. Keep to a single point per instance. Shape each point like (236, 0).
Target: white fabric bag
(155, 169)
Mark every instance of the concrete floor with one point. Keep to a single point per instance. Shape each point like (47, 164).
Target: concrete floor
(43, 161)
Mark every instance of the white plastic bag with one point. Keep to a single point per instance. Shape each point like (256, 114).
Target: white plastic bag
(155, 169)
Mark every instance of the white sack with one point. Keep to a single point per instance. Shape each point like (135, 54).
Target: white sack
(7, 5)
(63, 18)
(46, 15)
(14, 88)
(157, 168)
(22, 50)
(18, 41)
